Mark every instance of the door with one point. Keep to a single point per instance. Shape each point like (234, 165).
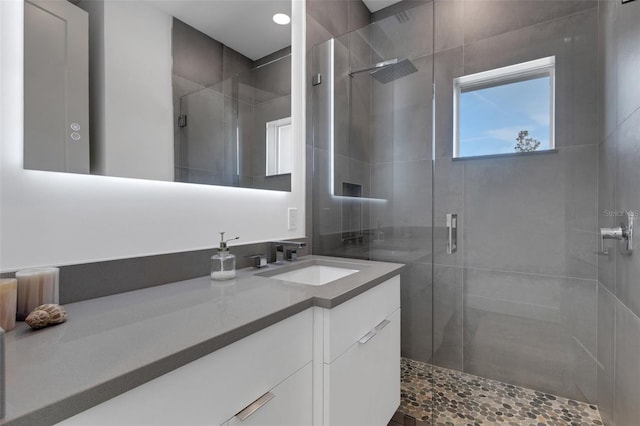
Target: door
(56, 87)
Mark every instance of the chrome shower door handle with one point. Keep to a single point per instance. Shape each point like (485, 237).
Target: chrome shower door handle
(452, 233)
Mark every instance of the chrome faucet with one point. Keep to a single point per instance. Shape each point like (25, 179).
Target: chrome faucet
(285, 250)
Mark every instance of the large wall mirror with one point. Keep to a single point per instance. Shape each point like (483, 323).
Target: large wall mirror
(175, 90)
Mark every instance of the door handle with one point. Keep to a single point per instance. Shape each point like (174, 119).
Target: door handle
(452, 233)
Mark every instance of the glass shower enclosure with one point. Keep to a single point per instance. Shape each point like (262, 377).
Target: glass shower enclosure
(236, 132)
(513, 298)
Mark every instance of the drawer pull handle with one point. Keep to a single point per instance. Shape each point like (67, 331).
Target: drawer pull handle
(255, 406)
(367, 337)
(382, 325)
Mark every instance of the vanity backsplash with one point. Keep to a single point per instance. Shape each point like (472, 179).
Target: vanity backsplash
(97, 279)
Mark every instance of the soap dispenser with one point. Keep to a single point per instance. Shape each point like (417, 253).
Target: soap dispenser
(223, 264)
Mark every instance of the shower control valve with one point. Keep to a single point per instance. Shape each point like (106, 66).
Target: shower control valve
(621, 233)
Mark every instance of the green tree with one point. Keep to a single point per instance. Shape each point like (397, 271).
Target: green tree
(525, 144)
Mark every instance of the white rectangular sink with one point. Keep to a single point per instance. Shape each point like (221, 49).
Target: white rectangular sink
(315, 274)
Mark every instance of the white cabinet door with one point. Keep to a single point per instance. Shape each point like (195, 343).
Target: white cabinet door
(362, 386)
(290, 404)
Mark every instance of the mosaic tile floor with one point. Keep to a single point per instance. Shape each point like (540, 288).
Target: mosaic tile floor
(464, 399)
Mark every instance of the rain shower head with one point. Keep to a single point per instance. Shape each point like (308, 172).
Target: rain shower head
(394, 72)
(387, 71)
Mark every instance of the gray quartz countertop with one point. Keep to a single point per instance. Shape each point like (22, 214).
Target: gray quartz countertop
(112, 344)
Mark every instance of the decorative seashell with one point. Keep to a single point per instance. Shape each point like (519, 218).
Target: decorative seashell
(37, 319)
(45, 315)
(57, 313)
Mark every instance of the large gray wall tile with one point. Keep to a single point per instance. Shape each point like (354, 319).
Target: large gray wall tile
(606, 361)
(627, 367)
(607, 51)
(359, 142)
(206, 112)
(530, 203)
(628, 198)
(522, 329)
(412, 193)
(316, 33)
(342, 98)
(412, 133)
(607, 167)
(327, 208)
(416, 301)
(449, 30)
(308, 199)
(273, 80)
(234, 62)
(581, 216)
(382, 124)
(359, 15)
(447, 316)
(486, 18)
(628, 61)
(196, 56)
(331, 14)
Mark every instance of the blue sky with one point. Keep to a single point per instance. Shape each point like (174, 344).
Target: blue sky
(490, 119)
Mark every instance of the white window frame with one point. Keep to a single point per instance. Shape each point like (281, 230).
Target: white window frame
(273, 156)
(544, 67)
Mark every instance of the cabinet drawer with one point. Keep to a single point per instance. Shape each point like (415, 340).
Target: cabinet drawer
(349, 322)
(362, 386)
(290, 404)
(214, 388)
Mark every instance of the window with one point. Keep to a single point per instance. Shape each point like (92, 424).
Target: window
(279, 147)
(505, 110)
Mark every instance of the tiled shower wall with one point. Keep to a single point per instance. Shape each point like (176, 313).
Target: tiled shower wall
(225, 96)
(518, 301)
(200, 64)
(325, 19)
(618, 191)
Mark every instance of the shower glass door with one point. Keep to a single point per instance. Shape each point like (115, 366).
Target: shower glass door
(373, 168)
(237, 132)
(516, 302)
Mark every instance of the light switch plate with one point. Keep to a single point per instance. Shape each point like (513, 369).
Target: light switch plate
(293, 218)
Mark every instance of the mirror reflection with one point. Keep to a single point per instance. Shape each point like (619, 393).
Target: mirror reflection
(187, 91)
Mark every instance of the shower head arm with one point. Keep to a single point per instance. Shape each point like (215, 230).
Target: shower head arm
(376, 66)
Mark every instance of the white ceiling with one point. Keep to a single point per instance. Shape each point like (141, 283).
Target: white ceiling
(246, 26)
(376, 5)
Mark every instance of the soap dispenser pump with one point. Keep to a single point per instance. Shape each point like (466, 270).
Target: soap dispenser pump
(223, 264)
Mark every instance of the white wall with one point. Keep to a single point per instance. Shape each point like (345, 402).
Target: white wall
(49, 218)
(138, 117)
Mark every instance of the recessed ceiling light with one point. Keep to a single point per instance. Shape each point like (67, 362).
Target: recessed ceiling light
(281, 19)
